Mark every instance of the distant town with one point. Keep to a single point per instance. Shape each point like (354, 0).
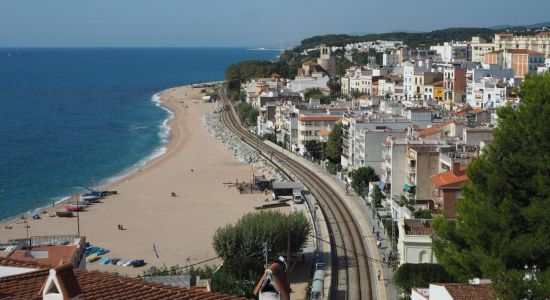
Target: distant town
(357, 168)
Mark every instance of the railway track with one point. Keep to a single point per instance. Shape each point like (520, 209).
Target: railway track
(350, 278)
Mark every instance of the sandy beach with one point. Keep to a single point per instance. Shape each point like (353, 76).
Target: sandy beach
(195, 167)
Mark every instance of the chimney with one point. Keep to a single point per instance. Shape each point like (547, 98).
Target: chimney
(456, 168)
(61, 284)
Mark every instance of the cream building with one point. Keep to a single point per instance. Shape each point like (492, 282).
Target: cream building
(539, 42)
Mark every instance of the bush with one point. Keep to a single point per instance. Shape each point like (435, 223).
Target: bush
(409, 276)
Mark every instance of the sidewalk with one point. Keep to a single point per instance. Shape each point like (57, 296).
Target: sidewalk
(383, 289)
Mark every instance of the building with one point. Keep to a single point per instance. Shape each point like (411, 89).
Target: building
(326, 60)
(273, 285)
(454, 82)
(479, 48)
(390, 59)
(415, 241)
(27, 280)
(448, 186)
(523, 61)
(314, 126)
(454, 52)
(539, 42)
(422, 163)
(52, 250)
(455, 291)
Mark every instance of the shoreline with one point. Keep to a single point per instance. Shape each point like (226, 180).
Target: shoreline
(158, 153)
(196, 167)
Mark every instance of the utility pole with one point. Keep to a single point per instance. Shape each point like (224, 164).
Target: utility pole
(288, 251)
(77, 216)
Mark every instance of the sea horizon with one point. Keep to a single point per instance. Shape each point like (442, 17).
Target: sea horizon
(137, 123)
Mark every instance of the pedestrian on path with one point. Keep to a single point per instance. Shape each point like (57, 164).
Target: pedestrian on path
(379, 275)
(378, 244)
(384, 258)
(372, 228)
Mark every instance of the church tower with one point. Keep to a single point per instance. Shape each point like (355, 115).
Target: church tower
(326, 60)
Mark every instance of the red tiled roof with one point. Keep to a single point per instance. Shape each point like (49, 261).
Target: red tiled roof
(417, 227)
(450, 179)
(5, 262)
(319, 118)
(310, 63)
(461, 291)
(57, 255)
(433, 130)
(97, 285)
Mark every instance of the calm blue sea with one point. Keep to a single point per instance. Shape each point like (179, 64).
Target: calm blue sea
(68, 116)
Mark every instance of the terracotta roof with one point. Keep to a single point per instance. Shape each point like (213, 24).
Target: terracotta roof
(433, 130)
(469, 110)
(6, 262)
(319, 118)
(462, 291)
(96, 285)
(310, 63)
(450, 179)
(278, 275)
(416, 227)
(57, 255)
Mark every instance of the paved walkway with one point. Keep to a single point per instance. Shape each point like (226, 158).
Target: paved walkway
(385, 289)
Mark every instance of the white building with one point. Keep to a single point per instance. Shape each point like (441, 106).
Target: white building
(415, 242)
(391, 59)
(453, 51)
(479, 48)
(301, 84)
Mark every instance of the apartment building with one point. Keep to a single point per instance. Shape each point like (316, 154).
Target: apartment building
(539, 43)
(480, 47)
(314, 126)
(453, 52)
(522, 61)
(454, 82)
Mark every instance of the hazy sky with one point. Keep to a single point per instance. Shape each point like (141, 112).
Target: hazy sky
(158, 23)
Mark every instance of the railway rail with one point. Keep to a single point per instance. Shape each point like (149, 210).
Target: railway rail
(350, 276)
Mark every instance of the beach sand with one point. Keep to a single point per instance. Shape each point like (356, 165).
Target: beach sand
(194, 167)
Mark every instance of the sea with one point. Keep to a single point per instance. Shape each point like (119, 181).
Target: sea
(72, 118)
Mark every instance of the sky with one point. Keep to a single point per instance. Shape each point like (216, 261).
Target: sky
(246, 23)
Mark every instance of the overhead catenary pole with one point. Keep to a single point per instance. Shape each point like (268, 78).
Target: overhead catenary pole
(77, 216)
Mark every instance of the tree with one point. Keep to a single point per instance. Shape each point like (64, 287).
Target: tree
(503, 216)
(334, 86)
(272, 137)
(333, 150)
(408, 276)
(314, 93)
(361, 178)
(341, 65)
(377, 196)
(246, 238)
(316, 149)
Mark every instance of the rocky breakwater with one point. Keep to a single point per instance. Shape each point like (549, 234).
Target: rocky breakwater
(244, 153)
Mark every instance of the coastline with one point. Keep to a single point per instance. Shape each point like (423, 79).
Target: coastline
(166, 136)
(195, 166)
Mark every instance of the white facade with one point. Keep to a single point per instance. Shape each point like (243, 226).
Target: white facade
(390, 59)
(301, 84)
(414, 248)
(453, 52)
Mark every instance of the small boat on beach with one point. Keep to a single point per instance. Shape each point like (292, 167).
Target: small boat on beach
(64, 214)
(75, 207)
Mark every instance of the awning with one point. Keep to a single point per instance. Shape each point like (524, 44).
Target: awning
(382, 185)
(406, 187)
